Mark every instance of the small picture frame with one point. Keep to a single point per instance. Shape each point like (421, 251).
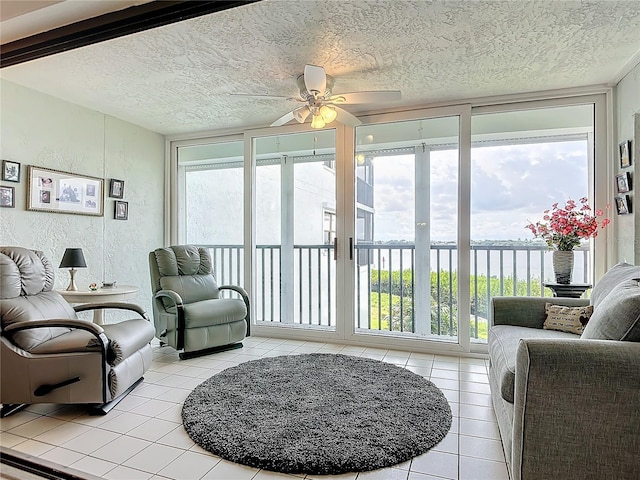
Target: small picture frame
(623, 207)
(625, 154)
(10, 171)
(7, 196)
(623, 182)
(116, 188)
(121, 210)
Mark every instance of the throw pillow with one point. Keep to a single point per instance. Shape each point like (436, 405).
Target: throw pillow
(617, 317)
(567, 319)
(617, 274)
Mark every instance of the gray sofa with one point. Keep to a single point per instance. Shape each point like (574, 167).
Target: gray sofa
(568, 405)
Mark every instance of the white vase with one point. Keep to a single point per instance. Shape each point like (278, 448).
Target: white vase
(563, 265)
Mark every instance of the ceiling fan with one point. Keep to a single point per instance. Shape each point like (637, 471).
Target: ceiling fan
(316, 93)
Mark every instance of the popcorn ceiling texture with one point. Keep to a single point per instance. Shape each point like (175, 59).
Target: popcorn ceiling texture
(178, 78)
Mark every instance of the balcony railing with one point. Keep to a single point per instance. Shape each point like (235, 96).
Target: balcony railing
(387, 279)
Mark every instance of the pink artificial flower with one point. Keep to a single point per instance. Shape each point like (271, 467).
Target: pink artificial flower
(564, 228)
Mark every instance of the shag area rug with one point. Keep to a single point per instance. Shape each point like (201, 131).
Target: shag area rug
(316, 414)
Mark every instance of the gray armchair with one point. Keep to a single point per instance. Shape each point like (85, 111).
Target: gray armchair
(49, 355)
(188, 312)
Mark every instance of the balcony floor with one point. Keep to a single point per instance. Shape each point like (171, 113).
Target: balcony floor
(143, 437)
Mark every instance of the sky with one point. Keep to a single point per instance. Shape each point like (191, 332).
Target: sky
(510, 186)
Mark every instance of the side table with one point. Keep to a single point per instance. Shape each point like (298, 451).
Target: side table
(109, 294)
(571, 290)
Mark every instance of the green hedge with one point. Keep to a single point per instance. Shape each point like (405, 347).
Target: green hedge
(443, 300)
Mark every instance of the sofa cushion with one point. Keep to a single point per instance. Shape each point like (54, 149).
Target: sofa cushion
(615, 276)
(75, 341)
(45, 305)
(617, 316)
(191, 288)
(214, 312)
(503, 346)
(567, 319)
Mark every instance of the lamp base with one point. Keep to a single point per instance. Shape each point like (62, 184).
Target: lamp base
(72, 283)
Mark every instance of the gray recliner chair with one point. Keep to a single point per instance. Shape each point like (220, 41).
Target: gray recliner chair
(188, 312)
(49, 355)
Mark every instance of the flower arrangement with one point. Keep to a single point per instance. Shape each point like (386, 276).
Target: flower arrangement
(564, 228)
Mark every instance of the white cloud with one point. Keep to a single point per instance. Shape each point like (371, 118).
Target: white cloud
(511, 185)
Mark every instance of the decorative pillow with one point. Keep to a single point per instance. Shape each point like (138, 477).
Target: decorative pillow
(617, 316)
(621, 272)
(567, 319)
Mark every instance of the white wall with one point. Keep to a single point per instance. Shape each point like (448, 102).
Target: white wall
(44, 131)
(627, 105)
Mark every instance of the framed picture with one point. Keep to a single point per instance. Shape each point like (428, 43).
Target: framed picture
(10, 171)
(625, 154)
(64, 192)
(622, 204)
(623, 182)
(7, 197)
(121, 211)
(116, 188)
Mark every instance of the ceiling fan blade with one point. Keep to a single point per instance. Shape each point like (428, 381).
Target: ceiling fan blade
(315, 79)
(286, 118)
(366, 97)
(264, 97)
(346, 118)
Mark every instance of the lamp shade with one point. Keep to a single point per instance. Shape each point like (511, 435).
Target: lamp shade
(317, 121)
(328, 113)
(73, 258)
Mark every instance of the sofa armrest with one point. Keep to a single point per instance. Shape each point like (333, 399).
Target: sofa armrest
(576, 410)
(526, 311)
(55, 322)
(245, 297)
(171, 295)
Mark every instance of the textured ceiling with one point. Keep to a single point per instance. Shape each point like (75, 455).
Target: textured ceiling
(178, 78)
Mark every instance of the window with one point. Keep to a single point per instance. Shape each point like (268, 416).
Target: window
(329, 227)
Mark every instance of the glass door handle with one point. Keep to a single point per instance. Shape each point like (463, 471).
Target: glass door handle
(350, 248)
(335, 248)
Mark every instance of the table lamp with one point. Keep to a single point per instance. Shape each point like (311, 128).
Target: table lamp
(73, 258)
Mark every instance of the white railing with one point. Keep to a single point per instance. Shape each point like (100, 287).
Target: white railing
(385, 281)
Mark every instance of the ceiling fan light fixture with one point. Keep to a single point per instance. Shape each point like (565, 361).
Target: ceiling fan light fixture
(329, 114)
(301, 114)
(317, 120)
(319, 103)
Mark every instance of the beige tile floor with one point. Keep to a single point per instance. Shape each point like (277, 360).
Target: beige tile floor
(143, 437)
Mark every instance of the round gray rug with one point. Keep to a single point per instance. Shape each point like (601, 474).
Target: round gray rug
(316, 414)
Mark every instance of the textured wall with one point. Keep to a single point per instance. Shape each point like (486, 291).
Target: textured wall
(628, 104)
(40, 130)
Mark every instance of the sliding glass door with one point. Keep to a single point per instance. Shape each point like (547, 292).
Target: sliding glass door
(397, 232)
(522, 162)
(295, 230)
(211, 189)
(406, 229)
